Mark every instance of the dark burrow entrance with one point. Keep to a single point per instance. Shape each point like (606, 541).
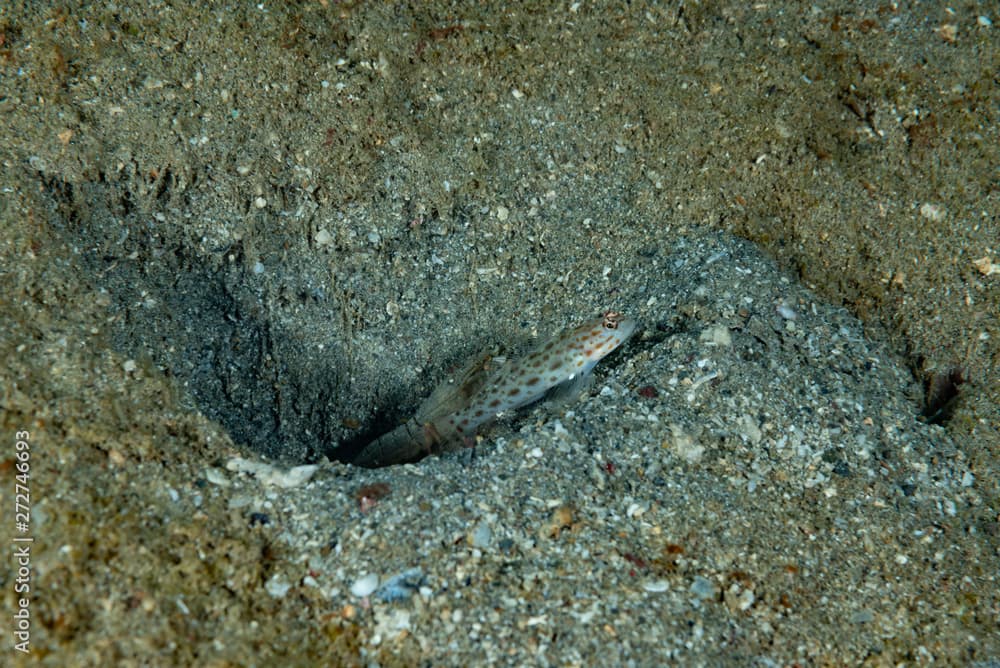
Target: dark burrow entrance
(208, 322)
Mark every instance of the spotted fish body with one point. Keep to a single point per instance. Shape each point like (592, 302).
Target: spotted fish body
(453, 413)
(563, 359)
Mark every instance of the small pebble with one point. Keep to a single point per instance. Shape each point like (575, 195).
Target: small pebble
(787, 312)
(292, 477)
(216, 477)
(862, 617)
(259, 519)
(481, 536)
(932, 212)
(277, 586)
(365, 585)
(401, 587)
(323, 238)
(702, 587)
(716, 336)
(392, 623)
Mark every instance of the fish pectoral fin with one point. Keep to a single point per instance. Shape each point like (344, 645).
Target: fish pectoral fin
(432, 436)
(567, 391)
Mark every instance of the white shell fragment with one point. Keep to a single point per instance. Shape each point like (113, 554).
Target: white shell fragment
(271, 475)
(365, 585)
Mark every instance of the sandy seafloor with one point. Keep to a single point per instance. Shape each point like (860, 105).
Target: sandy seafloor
(249, 238)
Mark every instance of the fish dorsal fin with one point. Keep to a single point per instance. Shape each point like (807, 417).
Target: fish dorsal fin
(455, 391)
